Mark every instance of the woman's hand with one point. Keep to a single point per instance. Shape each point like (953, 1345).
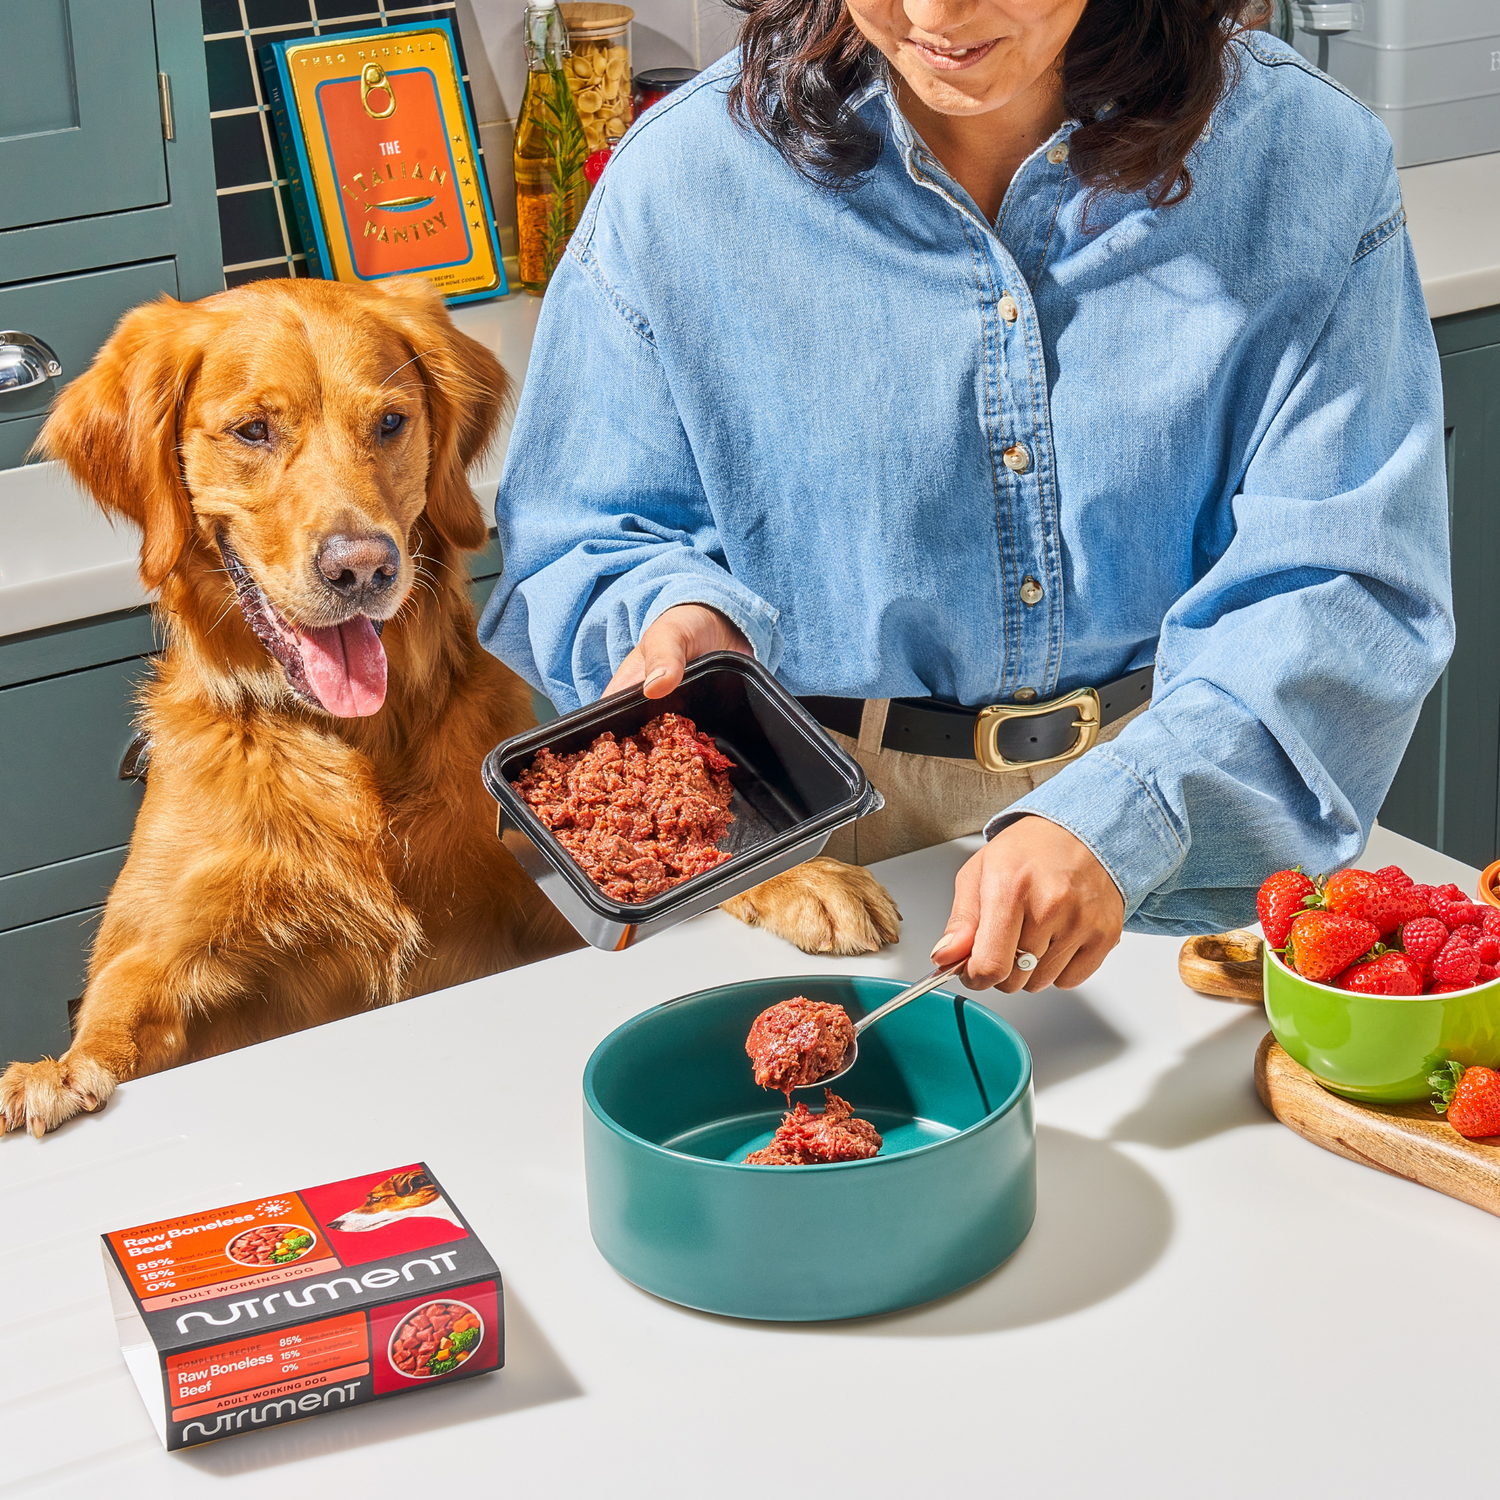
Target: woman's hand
(1037, 888)
(672, 640)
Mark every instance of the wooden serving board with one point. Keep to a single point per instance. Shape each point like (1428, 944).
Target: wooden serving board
(1406, 1140)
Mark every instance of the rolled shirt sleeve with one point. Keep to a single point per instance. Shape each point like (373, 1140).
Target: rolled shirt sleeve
(1290, 676)
(601, 512)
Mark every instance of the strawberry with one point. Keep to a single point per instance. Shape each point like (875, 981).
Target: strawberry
(1457, 964)
(1390, 974)
(1470, 1097)
(1278, 902)
(1409, 904)
(1424, 939)
(1395, 877)
(1357, 893)
(1324, 943)
(1491, 923)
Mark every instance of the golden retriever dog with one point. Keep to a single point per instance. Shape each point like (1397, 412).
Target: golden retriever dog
(315, 838)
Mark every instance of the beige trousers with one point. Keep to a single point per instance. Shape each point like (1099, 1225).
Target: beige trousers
(929, 799)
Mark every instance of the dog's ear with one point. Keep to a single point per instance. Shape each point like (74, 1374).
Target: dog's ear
(115, 426)
(467, 389)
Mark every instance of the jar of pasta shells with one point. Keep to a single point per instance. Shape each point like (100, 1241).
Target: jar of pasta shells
(599, 70)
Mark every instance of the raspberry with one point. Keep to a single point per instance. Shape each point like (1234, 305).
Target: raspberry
(1450, 892)
(1491, 923)
(1457, 964)
(1424, 939)
(1468, 932)
(1488, 949)
(1487, 972)
(1394, 876)
(1455, 911)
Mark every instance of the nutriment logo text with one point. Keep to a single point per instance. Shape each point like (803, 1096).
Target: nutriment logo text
(372, 1281)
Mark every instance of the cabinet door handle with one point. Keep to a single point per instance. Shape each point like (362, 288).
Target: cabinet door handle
(25, 361)
(137, 758)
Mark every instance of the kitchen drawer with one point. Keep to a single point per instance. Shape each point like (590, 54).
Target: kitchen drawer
(73, 315)
(61, 741)
(45, 966)
(70, 886)
(80, 115)
(81, 643)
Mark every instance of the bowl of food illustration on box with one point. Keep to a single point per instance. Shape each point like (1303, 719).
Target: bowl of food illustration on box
(911, 1176)
(435, 1339)
(1375, 983)
(271, 1245)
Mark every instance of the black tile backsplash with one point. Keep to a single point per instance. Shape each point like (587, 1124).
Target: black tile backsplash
(278, 13)
(256, 218)
(231, 84)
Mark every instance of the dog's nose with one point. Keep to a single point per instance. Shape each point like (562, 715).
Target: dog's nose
(352, 564)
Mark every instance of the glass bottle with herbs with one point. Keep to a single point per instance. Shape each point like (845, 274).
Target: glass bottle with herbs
(550, 149)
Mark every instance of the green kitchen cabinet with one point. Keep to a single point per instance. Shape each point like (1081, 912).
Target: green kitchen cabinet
(1447, 792)
(110, 199)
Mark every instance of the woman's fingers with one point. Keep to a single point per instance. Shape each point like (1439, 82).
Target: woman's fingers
(674, 638)
(1001, 920)
(1037, 889)
(963, 921)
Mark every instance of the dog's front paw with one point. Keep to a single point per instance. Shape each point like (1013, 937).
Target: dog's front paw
(41, 1096)
(822, 906)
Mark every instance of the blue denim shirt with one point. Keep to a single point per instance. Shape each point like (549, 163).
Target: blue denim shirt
(1225, 428)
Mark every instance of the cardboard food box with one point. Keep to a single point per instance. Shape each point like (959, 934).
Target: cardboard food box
(303, 1302)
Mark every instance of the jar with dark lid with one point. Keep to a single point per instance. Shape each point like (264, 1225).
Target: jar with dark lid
(656, 83)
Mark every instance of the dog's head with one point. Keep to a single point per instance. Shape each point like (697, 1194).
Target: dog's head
(402, 1193)
(282, 440)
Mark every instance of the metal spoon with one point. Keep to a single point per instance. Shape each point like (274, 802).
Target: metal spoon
(1024, 961)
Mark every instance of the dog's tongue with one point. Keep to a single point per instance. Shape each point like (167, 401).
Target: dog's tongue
(345, 666)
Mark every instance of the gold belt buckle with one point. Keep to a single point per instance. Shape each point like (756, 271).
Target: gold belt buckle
(987, 729)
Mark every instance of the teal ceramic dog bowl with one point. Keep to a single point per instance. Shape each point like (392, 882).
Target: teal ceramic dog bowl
(1379, 1048)
(671, 1110)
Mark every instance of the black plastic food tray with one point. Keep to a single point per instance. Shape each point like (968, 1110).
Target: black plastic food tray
(793, 786)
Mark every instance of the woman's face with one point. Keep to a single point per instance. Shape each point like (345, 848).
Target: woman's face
(967, 57)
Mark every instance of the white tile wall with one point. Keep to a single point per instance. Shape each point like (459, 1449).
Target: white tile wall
(665, 33)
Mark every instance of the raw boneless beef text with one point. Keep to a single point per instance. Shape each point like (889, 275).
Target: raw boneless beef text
(639, 816)
(806, 1139)
(797, 1042)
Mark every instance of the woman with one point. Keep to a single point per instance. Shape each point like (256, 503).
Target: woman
(979, 352)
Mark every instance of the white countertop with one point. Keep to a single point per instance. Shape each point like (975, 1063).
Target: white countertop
(1207, 1306)
(1453, 213)
(61, 560)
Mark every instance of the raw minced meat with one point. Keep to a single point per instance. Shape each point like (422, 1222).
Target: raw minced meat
(806, 1139)
(641, 815)
(798, 1041)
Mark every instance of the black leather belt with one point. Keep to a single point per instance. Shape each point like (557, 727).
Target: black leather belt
(1001, 737)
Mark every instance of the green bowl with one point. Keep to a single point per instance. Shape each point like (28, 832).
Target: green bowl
(1379, 1048)
(671, 1109)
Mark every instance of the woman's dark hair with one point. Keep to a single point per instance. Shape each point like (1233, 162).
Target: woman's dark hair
(1142, 77)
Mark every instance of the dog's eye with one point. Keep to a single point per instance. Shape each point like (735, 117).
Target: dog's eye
(392, 422)
(253, 432)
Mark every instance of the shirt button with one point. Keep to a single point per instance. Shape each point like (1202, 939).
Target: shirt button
(1058, 154)
(1023, 695)
(1031, 590)
(1016, 459)
(1009, 309)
